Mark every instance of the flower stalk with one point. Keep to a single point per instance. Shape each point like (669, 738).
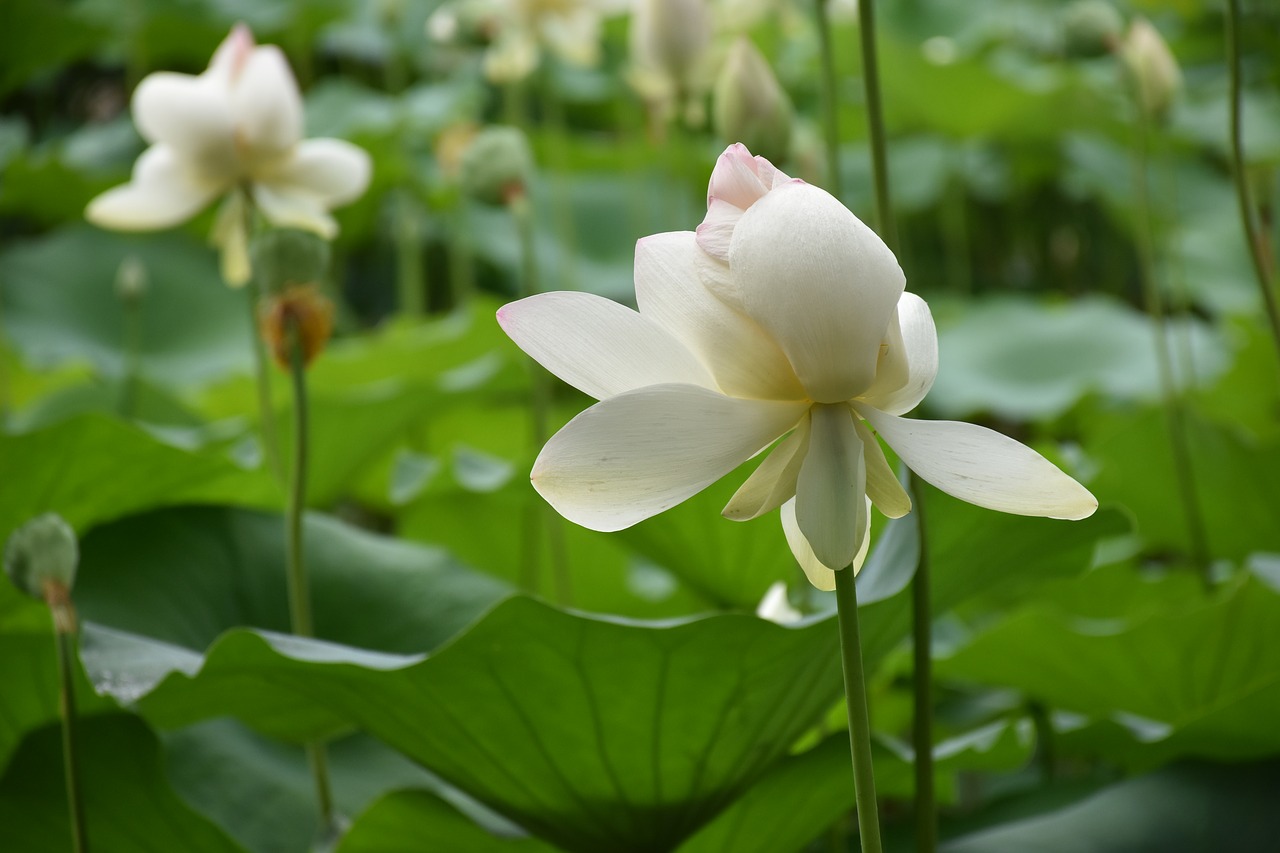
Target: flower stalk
(855, 690)
(830, 103)
(1257, 247)
(262, 375)
(58, 597)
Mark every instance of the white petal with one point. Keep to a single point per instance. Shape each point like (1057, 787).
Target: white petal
(917, 348)
(773, 483)
(819, 575)
(775, 607)
(332, 170)
(832, 486)
(669, 291)
(741, 179)
(162, 193)
(231, 236)
(192, 117)
(982, 466)
(598, 346)
(882, 484)
(716, 229)
(266, 106)
(230, 57)
(289, 207)
(632, 456)
(821, 283)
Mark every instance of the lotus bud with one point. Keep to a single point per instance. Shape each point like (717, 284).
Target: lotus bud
(751, 107)
(299, 316)
(131, 280)
(497, 166)
(670, 37)
(1091, 28)
(286, 257)
(41, 557)
(1156, 76)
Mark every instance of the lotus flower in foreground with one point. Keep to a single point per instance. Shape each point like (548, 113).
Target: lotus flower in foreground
(234, 131)
(781, 325)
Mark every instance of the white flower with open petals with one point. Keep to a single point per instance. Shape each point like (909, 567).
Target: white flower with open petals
(234, 131)
(783, 317)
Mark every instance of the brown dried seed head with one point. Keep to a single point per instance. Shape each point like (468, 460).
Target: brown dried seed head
(299, 312)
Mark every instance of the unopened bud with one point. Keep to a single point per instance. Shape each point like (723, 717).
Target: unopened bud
(751, 106)
(1155, 73)
(497, 165)
(670, 37)
(131, 280)
(41, 557)
(1091, 28)
(297, 318)
(286, 257)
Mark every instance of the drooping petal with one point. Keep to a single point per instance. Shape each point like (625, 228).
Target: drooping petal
(288, 206)
(775, 607)
(832, 485)
(819, 575)
(773, 483)
(632, 456)
(982, 466)
(161, 194)
(821, 283)
(266, 105)
(192, 117)
(669, 291)
(598, 346)
(917, 349)
(231, 236)
(883, 487)
(332, 170)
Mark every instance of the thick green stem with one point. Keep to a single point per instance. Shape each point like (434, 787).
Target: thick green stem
(855, 694)
(1257, 249)
(411, 277)
(132, 356)
(875, 123)
(64, 625)
(830, 101)
(295, 564)
(1170, 396)
(922, 683)
(262, 370)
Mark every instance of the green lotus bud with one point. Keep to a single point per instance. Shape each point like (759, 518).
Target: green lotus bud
(131, 279)
(1149, 62)
(751, 107)
(670, 37)
(1091, 28)
(286, 257)
(42, 552)
(497, 165)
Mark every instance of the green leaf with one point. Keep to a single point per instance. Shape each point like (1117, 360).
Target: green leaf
(129, 806)
(1194, 808)
(620, 760)
(1200, 678)
(93, 468)
(184, 576)
(403, 821)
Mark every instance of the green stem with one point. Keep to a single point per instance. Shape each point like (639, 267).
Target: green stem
(64, 630)
(558, 151)
(132, 356)
(522, 211)
(295, 565)
(830, 102)
(922, 682)
(855, 692)
(266, 410)
(1243, 196)
(1179, 441)
(875, 123)
(411, 279)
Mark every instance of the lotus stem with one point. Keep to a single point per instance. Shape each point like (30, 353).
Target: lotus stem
(411, 279)
(855, 692)
(922, 612)
(295, 565)
(1257, 248)
(58, 597)
(830, 101)
(266, 409)
(1170, 396)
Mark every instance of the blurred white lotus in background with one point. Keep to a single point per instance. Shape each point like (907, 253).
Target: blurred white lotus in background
(234, 131)
(782, 319)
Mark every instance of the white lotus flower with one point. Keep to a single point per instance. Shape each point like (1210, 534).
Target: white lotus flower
(783, 317)
(234, 131)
